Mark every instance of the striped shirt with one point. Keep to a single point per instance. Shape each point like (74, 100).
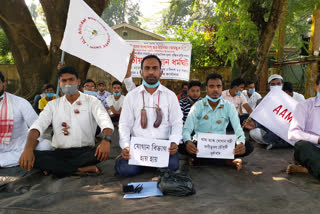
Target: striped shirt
(185, 107)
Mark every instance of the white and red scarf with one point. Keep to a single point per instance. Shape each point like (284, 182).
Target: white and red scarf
(6, 120)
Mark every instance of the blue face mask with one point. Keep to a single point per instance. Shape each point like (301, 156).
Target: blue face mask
(251, 90)
(116, 94)
(213, 100)
(238, 92)
(92, 93)
(318, 94)
(150, 86)
(184, 91)
(49, 95)
(275, 86)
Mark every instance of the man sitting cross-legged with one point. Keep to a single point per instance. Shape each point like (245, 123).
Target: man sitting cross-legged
(74, 119)
(212, 115)
(149, 111)
(261, 134)
(16, 116)
(305, 129)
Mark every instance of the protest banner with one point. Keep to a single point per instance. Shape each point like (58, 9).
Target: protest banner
(216, 146)
(88, 37)
(149, 152)
(175, 57)
(275, 113)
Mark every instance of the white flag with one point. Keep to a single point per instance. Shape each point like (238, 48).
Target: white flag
(275, 113)
(88, 37)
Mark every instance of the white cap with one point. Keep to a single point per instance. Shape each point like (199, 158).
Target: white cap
(274, 76)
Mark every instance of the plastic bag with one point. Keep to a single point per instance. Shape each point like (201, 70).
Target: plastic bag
(177, 184)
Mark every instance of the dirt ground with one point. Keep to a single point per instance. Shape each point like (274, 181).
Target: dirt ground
(262, 186)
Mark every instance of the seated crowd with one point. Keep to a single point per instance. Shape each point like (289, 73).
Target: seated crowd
(148, 111)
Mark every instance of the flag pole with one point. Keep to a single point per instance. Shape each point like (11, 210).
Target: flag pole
(62, 60)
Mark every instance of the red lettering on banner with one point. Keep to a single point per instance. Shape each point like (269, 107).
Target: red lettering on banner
(283, 113)
(277, 109)
(288, 117)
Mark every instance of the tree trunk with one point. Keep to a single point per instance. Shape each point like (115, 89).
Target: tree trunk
(244, 63)
(312, 71)
(267, 33)
(281, 38)
(36, 63)
(27, 45)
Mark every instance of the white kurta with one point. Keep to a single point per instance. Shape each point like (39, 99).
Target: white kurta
(130, 118)
(82, 125)
(23, 118)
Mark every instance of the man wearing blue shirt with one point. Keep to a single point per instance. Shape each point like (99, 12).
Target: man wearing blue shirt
(212, 115)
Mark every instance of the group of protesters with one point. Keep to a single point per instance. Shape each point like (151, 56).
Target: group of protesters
(150, 111)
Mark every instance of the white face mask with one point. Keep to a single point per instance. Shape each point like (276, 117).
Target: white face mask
(275, 86)
(69, 89)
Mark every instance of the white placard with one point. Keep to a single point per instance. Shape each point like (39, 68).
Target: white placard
(216, 146)
(149, 152)
(88, 37)
(175, 57)
(275, 113)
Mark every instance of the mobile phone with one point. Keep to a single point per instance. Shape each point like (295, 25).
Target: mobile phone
(128, 189)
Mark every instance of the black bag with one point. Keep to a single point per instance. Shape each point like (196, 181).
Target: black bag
(177, 184)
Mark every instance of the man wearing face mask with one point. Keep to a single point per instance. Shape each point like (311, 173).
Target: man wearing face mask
(235, 96)
(115, 102)
(261, 134)
(184, 93)
(212, 115)
(304, 129)
(150, 111)
(49, 91)
(89, 87)
(74, 119)
(16, 116)
(193, 96)
(102, 94)
(251, 95)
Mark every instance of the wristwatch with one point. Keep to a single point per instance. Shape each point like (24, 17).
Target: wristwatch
(107, 138)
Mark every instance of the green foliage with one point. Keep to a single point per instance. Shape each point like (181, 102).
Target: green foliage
(237, 26)
(202, 42)
(220, 36)
(122, 11)
(236, 33)
(296, 22)
(185, 12)
(5, 54)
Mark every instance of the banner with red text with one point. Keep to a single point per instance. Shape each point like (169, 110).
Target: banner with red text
(175, 57)
(275, 113)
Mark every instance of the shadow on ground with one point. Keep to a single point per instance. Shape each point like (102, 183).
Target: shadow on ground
(262, 186)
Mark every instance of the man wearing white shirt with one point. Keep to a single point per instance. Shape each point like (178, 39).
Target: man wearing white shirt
(251, 95)
(115, 102)
(258, 132)
(74, 119)
(16, 116)
(235, 96)
(139, 116)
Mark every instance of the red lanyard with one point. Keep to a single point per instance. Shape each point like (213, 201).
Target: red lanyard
(144, 106)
